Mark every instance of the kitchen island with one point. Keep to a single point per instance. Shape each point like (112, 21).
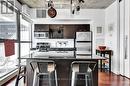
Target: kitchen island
(63, 67)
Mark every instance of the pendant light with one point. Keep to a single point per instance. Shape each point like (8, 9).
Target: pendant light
(51, 11)
(76, 5)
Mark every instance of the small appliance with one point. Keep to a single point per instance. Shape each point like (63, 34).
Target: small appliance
(43, 35)
(43, 47)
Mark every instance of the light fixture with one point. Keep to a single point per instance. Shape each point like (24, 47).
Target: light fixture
(51, 10)
(76, 5)
(50, 3)
(81, 1)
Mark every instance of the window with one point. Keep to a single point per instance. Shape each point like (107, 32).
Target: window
(25, 35)
(8, 30)
(6, 8)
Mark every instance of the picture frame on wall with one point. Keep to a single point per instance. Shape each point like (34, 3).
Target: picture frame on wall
(110, 29)
(99, 30)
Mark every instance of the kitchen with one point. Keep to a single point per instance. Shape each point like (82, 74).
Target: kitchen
(65, 38)
(61, 43)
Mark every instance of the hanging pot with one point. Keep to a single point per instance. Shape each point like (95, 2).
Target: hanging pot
(52, 12)
(78, 8)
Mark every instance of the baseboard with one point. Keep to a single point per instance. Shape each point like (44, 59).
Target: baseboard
(124, 76)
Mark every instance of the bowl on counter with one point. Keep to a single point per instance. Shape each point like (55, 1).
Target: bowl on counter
(102, 48)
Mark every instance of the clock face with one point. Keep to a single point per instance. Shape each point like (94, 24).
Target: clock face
(52, 12)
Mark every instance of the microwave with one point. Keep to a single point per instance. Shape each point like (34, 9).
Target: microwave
(43, 35)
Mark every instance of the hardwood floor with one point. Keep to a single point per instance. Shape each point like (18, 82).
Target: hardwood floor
(105, 79)
(110, 79)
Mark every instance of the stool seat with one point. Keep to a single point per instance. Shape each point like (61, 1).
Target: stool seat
(44, 73)
(82, 73)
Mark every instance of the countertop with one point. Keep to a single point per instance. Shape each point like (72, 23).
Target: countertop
(62, 55)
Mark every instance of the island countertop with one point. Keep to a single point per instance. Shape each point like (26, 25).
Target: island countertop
(50, 55)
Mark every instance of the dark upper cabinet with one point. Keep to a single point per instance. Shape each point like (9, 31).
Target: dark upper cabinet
(56, 33)
(70, 30)
(41, 27)
(62, 31)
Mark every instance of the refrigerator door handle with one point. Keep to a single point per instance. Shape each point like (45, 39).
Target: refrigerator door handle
(126, 40)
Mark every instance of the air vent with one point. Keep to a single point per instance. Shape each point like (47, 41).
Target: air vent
(40, 13)
(62, 6)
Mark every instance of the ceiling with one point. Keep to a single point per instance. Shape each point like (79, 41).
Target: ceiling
(89, 4)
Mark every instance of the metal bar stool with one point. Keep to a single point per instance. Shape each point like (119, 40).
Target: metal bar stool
(21, 74)
(44, 73)
(82, 73)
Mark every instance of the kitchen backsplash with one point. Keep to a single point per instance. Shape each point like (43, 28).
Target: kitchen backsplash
(56, 43)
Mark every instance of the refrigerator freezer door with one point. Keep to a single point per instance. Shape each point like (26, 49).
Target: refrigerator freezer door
(83, 36)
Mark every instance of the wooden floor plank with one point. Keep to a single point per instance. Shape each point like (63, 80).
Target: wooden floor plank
(111, 79)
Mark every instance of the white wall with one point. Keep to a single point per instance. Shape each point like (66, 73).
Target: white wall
(64, 16)
(94, 17)
(125, 38)
(120, 65)
(122, 38)
(111, 35)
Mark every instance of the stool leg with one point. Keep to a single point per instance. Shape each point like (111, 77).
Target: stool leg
(89, 79)
(56, 78)
(73, 79)
(86, 80)
(101, 65)
(24, 73)
(92, 78)
(17, 80)
(35, 77)
(49, 79)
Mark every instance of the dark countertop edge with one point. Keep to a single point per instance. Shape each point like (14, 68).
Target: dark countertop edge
(67, 58)
(29, 56)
